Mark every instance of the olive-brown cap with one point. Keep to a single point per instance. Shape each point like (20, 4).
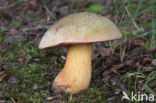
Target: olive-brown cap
(79, 28)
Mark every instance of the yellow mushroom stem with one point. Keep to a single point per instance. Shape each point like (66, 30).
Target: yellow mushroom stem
(76, 73)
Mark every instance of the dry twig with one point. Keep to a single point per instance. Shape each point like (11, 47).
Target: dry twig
(13, 4)
(35, 28)
(8, 63)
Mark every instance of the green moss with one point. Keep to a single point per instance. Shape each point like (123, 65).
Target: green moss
(37, 18)
(22, 12)
(94, 8)
(2, 30)
(8, 57)
(34, 52)
(2, 35)
(16, 23)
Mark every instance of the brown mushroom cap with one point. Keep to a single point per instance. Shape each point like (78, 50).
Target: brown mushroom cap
(79, 28)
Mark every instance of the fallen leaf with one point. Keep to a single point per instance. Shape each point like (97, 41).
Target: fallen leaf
(147, 60)
(13, 31)
(2, 77)
(148, 69)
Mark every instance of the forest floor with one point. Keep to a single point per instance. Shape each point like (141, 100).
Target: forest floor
(120, 67)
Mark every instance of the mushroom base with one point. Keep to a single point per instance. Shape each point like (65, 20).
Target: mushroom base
(76, 73)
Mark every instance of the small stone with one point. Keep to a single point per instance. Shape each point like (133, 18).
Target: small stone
(13, 79)
(154, 62)
(51, 98)
(35, 87)
(3, 101)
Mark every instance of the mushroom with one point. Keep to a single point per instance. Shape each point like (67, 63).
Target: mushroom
(78, 31)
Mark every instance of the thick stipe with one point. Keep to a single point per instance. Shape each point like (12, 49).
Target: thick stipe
(76, 73)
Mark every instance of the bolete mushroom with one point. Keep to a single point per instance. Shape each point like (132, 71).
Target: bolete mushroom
(78, 31)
